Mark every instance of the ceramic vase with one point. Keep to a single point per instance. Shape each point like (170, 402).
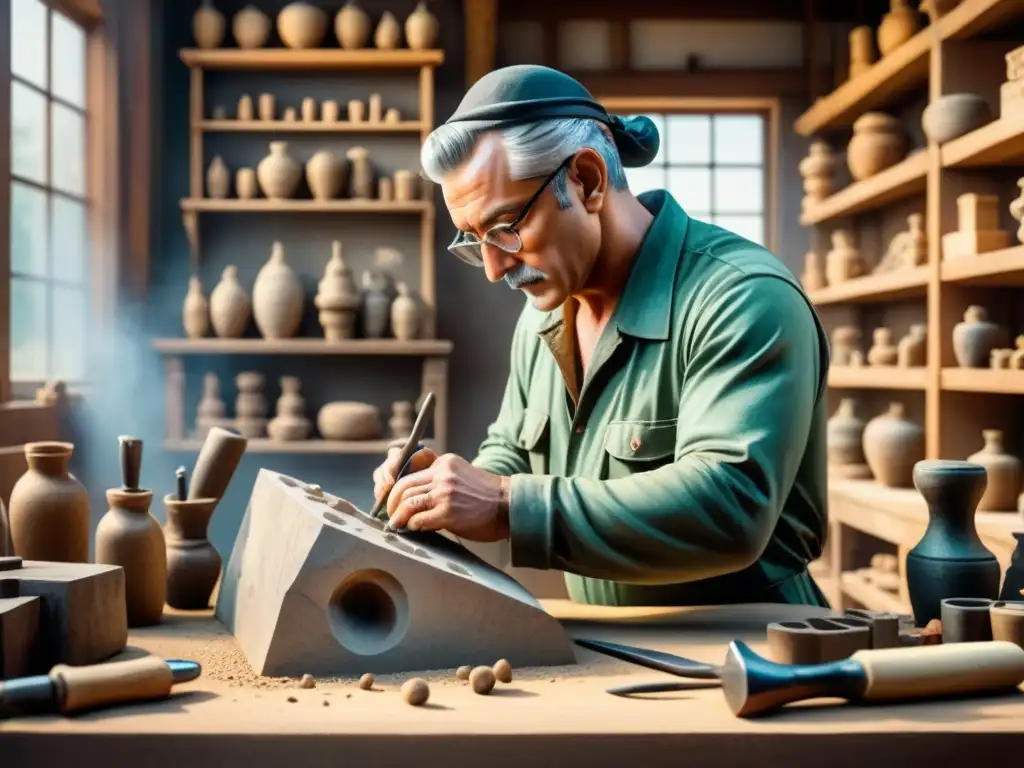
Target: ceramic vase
(129, 536)
(974, 338)
(362, 173)
(337, 298)
(195, 311)
(912, 351)
(290, 422)
(250, 405)
(950, 560)
(878, 142)
(277, 297)
(376, 306)
(49, 508)
(352, 26)
(892, 446)
(218, 180)
(401, 422)
(387, 34)
(230, 306)
(862, 50)
(301, 25)
(899, 25)
(325, 175)
(421, 28)
(845, 439)
(208, 26)
(193, 563)
(843, 261)
(405, 314)
(953, 115)
(245, 184)
(1013, 579)
(1002, 471)
(211, 411)
(278, 173)
(883, 351)
(251, 28)
(349, 421)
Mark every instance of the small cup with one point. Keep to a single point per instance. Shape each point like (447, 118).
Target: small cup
(392, 116)
(1007, 617)
(329, 112)
(356, 111)
(266, 106)
(966, 620)
(290, 116)
(308, 110)
(245, 107)
(245, 183)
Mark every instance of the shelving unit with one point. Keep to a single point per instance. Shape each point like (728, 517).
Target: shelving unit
(435, 352)
(945, 57)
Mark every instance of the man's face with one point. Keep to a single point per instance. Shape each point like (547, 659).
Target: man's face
(559, 245)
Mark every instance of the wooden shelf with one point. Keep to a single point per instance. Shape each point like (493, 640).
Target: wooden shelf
(312, 126)
(876, 377)
(872, 597)
(905, 179)
(1001, 142)
(885, 286)
(213, 346)
(975, 17)
(995, 269)
(261, 205)
(265, 445)
(988, 380)
(322, 59)
(888, 80)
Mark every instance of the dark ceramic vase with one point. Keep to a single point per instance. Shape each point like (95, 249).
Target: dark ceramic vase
(1013, 581)
(949, 560)
(193, 564)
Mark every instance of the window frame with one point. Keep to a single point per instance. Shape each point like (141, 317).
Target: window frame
(767, 108)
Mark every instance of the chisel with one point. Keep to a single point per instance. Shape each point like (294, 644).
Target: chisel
(411, 446)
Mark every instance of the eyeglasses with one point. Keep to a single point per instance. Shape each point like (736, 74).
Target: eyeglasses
(468, 247)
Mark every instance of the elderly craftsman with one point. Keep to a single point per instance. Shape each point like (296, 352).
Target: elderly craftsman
(662, 433)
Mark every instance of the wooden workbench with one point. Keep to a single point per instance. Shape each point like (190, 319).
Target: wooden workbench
(544, 717)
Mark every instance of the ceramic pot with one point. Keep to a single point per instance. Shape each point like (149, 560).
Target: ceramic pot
(883, 351)
(974, 338)
(195, 311)
(208, 26)
(337, 298)
(362, 173)
(912, 351)
(245, 110)
(405, 186)
(230, 306)
(813, 277)
(899, 25)
(49, 508)
(1003, 472)
(245, 184)
(129, 536)
(349, 421)
(892, 446)
(211, 411)
(352, 26)
(401, 422)
(376, 308)
(325, 175)
(950, 560)
(218, 180)
(193, 563)
(405, 314)
(878, 142)
(843, 262)
(954, 115)
(301, 25)
(250, 405)
(862, 50)
(278, 173)
(251, 28)
(266, 106)
(290, 423)
(388, 32)
(277, 297)
(845, 441)
(1013, 580)
(421, 28)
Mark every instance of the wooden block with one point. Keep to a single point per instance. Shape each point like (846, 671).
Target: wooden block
(816, 641)
(82, 610)
(1011, 99)
(315, 586)
(967, 243)
(19, 633)
(1015, 63)
(977, 212)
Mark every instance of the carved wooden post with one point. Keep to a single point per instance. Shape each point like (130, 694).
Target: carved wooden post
(481, 37)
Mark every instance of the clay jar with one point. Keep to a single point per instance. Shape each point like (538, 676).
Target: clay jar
(1003, 473)
(325, 175)
(843, 261)
(844, 344)
(49, 508)
(883, 351)
(878, 142)
(349, 421)
(974, 338)
(251, 27)
(218, 180)
(195, 311)
(421, 28)
(817, 170)
(362, 173)
(912, 351)
(892, 446)
(301, 25)
(129, 536)
(208, 26)
(193, 564)
(898, 25)
(953, 115)
(230, 306)
(376, 310)
(337, 298)
(278, 173)
(862, 50)
(290, 423)
(277, 297)
(405, 314)
(387, 33)
(845, 442)
(352, 26)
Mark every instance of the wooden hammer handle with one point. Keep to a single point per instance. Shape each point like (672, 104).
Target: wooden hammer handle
(941, 670)
(116, 682)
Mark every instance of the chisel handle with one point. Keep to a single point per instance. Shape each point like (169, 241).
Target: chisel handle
(117, 682)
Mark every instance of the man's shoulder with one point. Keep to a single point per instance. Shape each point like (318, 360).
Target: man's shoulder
(727, 257)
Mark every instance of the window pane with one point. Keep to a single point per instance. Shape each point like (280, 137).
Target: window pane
(68, 156)
(644, 179)
(691, 187)
(739, 139)
(689, 139)
(28, 133)
(28, 329)
(750, 227)
(70, 238)
(659, 123)
(67, 60)
(739, 190)
(69, 323)
(28, 40)
(28, 230)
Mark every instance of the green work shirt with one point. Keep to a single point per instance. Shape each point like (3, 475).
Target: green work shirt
(689, 469)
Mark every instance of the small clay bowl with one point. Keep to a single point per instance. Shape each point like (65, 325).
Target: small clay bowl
(1007, 618)
(966, 620)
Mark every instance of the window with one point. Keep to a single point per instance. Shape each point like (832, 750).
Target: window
(714, 165)
(49, 238)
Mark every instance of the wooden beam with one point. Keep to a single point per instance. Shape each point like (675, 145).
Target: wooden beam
(725, 83)
(619, 46)
(481, 37)
(720, 10)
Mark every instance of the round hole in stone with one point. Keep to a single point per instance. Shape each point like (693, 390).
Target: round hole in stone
(369, 612)
(289, 481)
(457, 568)
(334, 517)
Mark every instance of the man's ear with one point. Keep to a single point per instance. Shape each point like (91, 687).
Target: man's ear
(590, 173)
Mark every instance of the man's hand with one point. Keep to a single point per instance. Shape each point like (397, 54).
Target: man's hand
(454, 495)
(384, 475)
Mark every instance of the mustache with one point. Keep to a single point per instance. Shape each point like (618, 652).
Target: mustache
(522, 275)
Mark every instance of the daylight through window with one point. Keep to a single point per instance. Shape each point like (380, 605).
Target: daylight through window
(49, 206)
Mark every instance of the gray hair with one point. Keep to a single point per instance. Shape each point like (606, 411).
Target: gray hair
(533, 149)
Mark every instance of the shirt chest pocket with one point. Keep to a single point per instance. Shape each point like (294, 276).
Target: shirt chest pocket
(639, 446)
(535, 439)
